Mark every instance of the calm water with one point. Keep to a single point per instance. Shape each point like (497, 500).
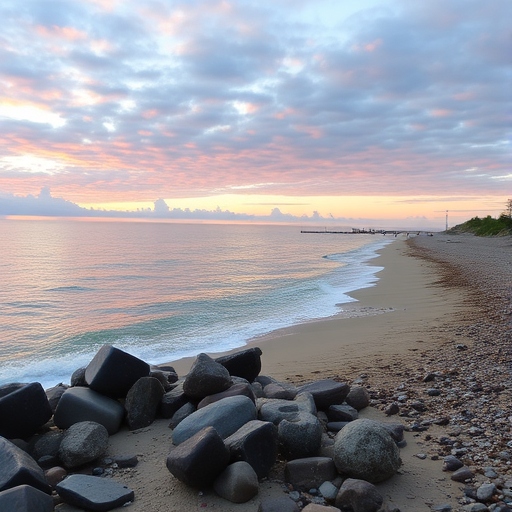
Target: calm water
(161, 291)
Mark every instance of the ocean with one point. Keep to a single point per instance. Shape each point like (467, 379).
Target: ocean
(162, 290)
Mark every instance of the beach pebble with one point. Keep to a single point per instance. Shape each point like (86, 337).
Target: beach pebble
(358, 496)
(485, 492)
(462, 474)
(392, 409)
(452, 463)
(238, 483)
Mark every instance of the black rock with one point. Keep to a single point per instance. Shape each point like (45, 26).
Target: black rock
(281, 504)
(245, 364)
(235, 390)
(172, 401)
(78, 377)
(310, 472)
(327, 392)
(452, 463)
(183, 412)
(142, 402)
(462, 474)
(206, 377)
(342, 413)
(358, 496)
(54, 394)
(25, 498)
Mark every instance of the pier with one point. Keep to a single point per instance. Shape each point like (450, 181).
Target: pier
(356, 231)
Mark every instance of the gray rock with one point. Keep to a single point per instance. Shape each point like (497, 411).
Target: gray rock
(245, 364)
(112, 372)
(172, 401)
(198, 460)
(392, 409)
(300, 437)
(310, 472)
(255, 443)
(327, 392)
(181, 414)
(53, 394)
(275, 410)
(238, 483)
(83, 404)
(226, 416)
(358, 496)
(444, 507)
(462, 474)
(475, 507)
(78, 377)
(328, 490)
(306, 402)
(342, 412)
(452, 463)
(280, 390)
(281, 504)
(396, 431)
(314, 507)
(19, 468)
(47, 444)
(126, 461)
(142, 402)
(24, 408)
(25, 498)
(82, 443)
(358, 397)
(206, 377)
(93, 493)
(365, 450)
(55, 475)
(485, 492)
(336, 426)
(238, 389)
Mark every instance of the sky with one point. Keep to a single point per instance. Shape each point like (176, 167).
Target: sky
(367, 110)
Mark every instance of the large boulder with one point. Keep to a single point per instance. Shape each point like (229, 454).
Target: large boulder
(238, 483)
(326, 392)
(25, 498)
(142, 402)
(365, 450)
(206, 377)
(245, 364)
(24, 408)
(300, 437)
(226, 416)
(113, 372)
(358, 496)
(82, 443)
(198, 460)
(18, 468)
(83, 404)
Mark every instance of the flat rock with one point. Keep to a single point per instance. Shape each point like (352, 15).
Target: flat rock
(310, 472)
(206, 377)
(358, 496)
(281, 390)
(238, 483)
(82, 443)
(245, 364)
(25, 498)
(343, 412)
(238, 389)
(327, 392)
(142, 402)
(93, 493)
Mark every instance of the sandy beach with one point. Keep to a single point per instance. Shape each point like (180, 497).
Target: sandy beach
(441, 307)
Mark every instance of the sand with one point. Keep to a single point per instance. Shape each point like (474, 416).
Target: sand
(378, 341)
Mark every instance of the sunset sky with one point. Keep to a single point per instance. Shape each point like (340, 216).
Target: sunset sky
(367, 109)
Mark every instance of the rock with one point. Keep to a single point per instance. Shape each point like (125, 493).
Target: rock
(172, 401)
(19, 468)
(328, 490)
(181, 414)
(280, 390)
(281, 504)
(24, 408)
(462, 474)
(396, 431)
(126, 461)
(275, 410)
(235, 390)
(112, 372)
(142, 402)
(358, 496)
(198, 461)
(226, 416)
(82, 443)
(47, 444)
(336, 426)
(313, 507)
(164, 378)
(245, 364)
(83, 404)
(392, 409)
(452, 463)
(365, 450)
(255, 443)
(238, 483)
(24, 498)
(327, 392)
(358, 398)
(93, 493)
(342, 413)
(55, 475)
(310, 472)
(78, 377)
(206, 377)
(300, 437)
(485, 492)
(53, 394)
(475, 507)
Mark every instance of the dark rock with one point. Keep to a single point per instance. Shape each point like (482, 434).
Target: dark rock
(142, 402)
(126, 461)
(25, 498)
(358, 397)
(82, 443)
(365, 450)
(206, 377)
(48, 461)
(327, 392)
(235, 390)
(313, 507)
(226, 416)
(198, 460)
(238, 483)
(281, 504)
(280, 390)
(275, 410)
(47, 444)
(336, 426)
(181, 414)
(358, 496)
(55, 475)
(452, 463)
(462, 474)
(485, 492)
(172, 401)
(78, 378)
(342, 413)
(24, 408)
(112, 372)
(165, 378)
(396, 431)
(433, 392)
(310, 472)
(255, 443)
(392, 409)
(93, 493)
(19, 468)
(264, 380)
(54, 394)
(300, 437)
(245, 364)
(83, 404)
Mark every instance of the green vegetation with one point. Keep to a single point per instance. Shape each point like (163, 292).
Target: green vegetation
(488, 226)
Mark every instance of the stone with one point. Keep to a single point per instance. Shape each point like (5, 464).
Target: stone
(396, 431)
(328, 490)
(309, 472)
(245, 363)
(226, 416)
(126, 461)
(19, 468)
(172, 401)
(358, 397)
(53, 394)
(462, 474)
(206, 377)
(181, 414)
(300, 437)
(83, 404)
(336, 426)
(365, 450)
(485, 492)
(47, 444)
(112, 372)
(392, 409)
(78, 377)
(452, 463)
(93, 493)
(24, 498)
(238, 389)
(314, 507)
(83, 442)
(55, 475)
(142, 402)
(327, 392)
(198, 461)
(342, 412)
(255, 443)
(280, 390)
(281, 504)
(238, 483)
(275, 410)
(358, 496)
(24, 408)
